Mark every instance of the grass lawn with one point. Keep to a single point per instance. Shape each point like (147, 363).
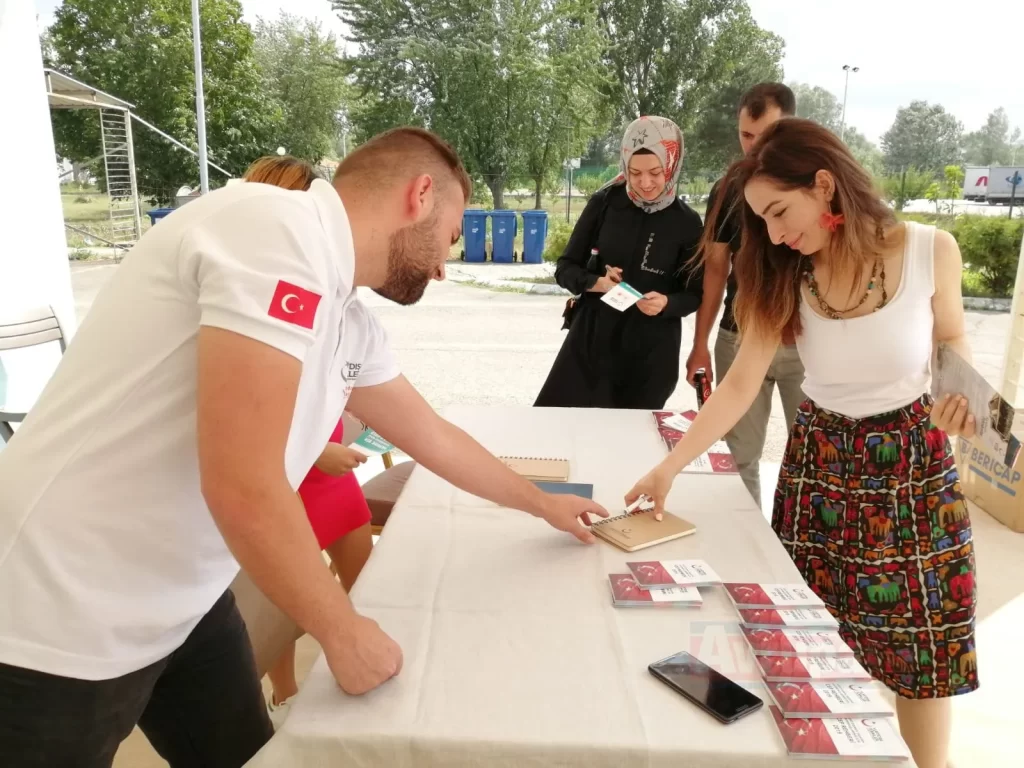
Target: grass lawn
(89, 211)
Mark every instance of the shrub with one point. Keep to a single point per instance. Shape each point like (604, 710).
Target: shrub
(990, 246)
(559, 231)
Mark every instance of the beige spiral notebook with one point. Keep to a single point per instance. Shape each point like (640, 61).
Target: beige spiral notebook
(538, 469)
(639, 530)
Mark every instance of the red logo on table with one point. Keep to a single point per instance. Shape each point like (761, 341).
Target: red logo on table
(294, 305)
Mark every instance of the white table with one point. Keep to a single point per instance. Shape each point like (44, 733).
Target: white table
(514, 655)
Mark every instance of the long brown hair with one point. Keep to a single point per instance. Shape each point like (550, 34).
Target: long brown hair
(281, 171)
(790, 153)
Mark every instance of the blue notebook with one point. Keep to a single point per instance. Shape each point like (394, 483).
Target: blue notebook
(586, 490)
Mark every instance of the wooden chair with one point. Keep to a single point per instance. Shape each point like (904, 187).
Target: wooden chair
(382, 491)
(21, 330)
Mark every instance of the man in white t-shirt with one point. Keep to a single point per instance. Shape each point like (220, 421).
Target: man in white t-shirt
(166, 449)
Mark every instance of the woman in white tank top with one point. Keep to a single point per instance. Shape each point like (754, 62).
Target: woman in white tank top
(869, 504)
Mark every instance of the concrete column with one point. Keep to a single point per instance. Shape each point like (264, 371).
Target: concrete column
(1013, 378)
(33, 251)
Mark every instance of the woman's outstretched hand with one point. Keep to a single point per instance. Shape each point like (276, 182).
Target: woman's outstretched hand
(655, 485)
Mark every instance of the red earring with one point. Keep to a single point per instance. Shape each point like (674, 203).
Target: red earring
(831, 221)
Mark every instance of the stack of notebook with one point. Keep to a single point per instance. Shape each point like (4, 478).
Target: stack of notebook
(662, 583)
(825, 703)
(716, 460)
(550, 475)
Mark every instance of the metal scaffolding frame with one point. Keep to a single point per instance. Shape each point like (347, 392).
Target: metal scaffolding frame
(115, 115)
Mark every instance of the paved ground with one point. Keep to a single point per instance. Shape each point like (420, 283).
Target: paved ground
(464, 344)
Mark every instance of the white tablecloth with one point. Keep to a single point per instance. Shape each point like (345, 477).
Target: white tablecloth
(514, 654)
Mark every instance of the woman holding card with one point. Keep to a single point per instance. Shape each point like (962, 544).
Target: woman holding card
(868, 504)
(630, 247)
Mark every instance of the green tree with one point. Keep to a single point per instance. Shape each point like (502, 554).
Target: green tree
(924, 136)
(747, 55)
(141, 51)
(688, 60)
(563, 107)
(823, 107)
(908, 184)
(303, 72)
(934, 193)
(952, 184)
(698, 188)
(588, 183)
(512, 85)
(866, 151)
(993, 143)
(818, 104)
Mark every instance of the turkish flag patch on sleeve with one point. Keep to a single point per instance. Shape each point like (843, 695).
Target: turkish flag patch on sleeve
(294, 305)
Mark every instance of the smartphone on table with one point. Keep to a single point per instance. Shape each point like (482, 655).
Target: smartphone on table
(712, 691)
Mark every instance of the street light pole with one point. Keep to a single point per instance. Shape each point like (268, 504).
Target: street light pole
(846, 89)
(197, 53)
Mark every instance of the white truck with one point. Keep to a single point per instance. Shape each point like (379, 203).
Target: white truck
(975, 182)
(1001, 185)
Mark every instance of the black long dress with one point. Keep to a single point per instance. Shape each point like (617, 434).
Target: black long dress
(613, 359)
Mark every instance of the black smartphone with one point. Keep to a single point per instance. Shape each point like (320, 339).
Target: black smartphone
(712, 691)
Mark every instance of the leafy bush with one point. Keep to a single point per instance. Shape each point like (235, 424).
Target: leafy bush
(559, 231)
(990, 247)
(911, 184)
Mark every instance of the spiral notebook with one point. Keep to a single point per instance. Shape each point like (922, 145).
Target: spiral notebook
(638, 529)
(538, 469)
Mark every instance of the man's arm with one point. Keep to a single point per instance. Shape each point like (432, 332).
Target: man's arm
(717, 266)
(246, 397)
(397, 412)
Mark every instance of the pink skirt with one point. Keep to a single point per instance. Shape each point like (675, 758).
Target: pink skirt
(335, 506)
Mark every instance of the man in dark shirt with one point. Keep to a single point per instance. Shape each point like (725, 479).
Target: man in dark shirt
(760, 107)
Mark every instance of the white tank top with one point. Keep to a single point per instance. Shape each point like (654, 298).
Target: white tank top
(879, 362)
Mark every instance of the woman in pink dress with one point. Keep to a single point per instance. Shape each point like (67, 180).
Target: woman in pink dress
(340, 519)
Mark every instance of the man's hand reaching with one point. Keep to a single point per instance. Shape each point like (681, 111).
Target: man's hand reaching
(571, 514)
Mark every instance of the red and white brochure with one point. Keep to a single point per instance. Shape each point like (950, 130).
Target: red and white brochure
(795, 618)
(654, 574)
(829, 699)
(864, 738)
(799, 669)
(717, 460)
(626, 593)
(795, 642)
(748, 595)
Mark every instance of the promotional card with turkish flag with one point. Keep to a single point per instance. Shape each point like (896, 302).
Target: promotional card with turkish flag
(829, 699)
(841, 738)
(626, 593)
(798, 669)
(747, 595)
(797, 618)
(716, 460)
(795, 642)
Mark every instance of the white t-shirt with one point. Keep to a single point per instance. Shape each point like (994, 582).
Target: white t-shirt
(108, 554)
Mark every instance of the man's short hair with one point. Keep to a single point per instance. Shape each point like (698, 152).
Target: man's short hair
(407, 150)
(764, 95)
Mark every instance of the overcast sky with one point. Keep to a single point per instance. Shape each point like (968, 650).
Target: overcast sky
(906, 49)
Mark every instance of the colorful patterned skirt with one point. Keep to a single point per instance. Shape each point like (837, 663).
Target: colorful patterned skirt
(872, 513)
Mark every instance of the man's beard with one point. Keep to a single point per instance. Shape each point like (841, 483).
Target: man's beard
(412, 262)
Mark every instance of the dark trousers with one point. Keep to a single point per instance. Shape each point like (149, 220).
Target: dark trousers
(201, 707)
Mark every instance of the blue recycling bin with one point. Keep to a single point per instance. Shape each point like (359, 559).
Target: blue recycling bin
(535, 232)
(474, 236)
(157, 213)
(504, 228)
